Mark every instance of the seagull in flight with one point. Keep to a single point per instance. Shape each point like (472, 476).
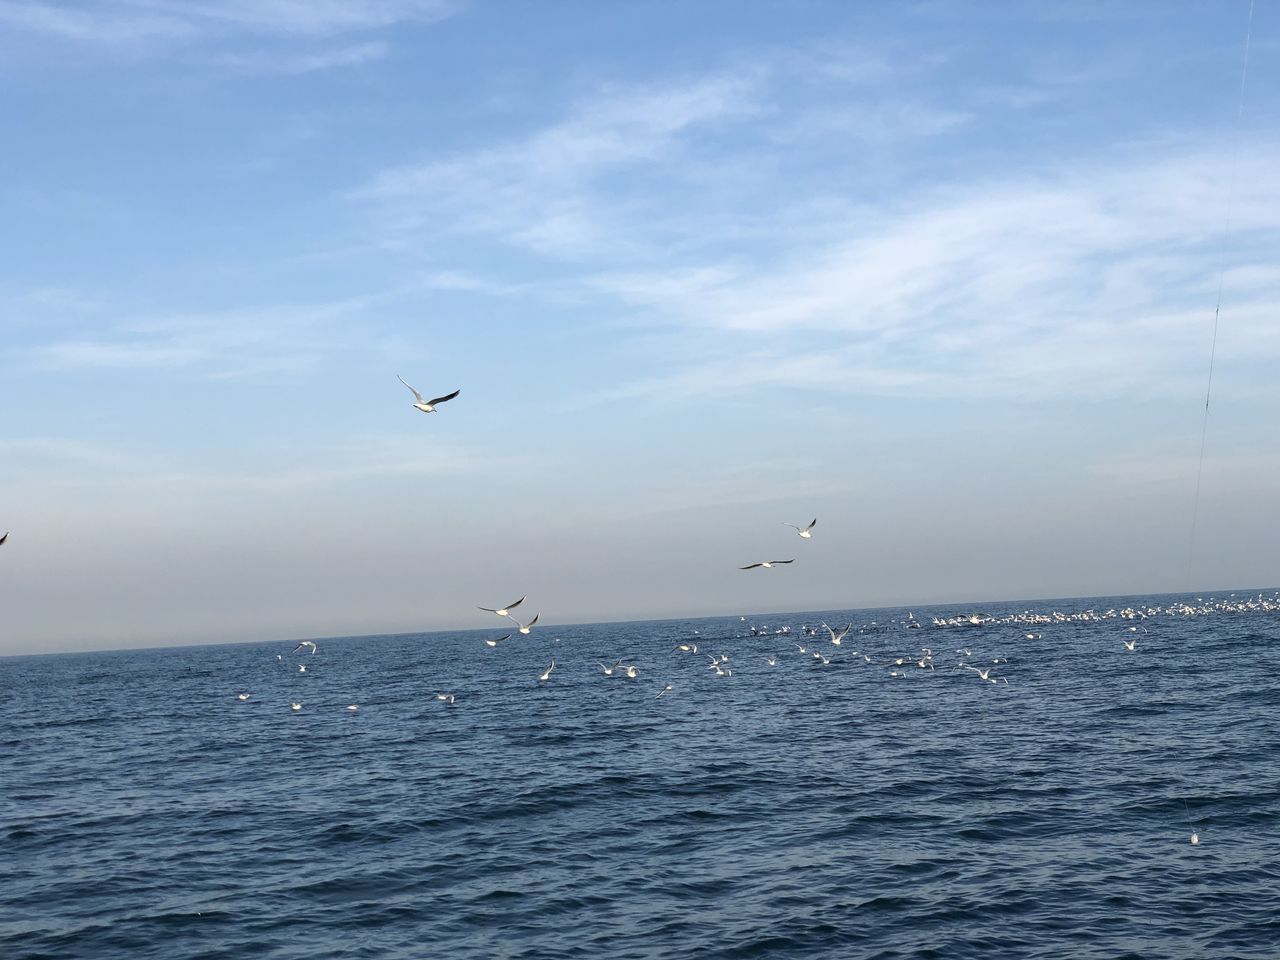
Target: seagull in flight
(525, 627)
(505, 611)
(805, 532)
(608, 671)
(687, 647)
(427, 406)
(837, 637)
(1130, 644)
(497, 640)
(767, 564)
(546, 674)
(306, 643)
(664, 690)
(450, 697)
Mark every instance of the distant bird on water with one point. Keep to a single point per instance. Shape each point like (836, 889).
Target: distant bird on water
(448, 697)
(806, 532)
(243, 696)
(427, 406)
(767, 564)
(306, 643)
(296, 706)
(504, 611)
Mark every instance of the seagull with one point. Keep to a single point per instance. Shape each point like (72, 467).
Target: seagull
(687, 647)
(837, 637)
(608, 671)
(296, 706)
(505, 611)
(306, 643)
(497, 640)
(243, 696)
(353, 706)
(664, 690)
(767, 564)
(806, 532)
(632, 672)
(427, 406)
(1130, 644)
(771, 661)
(525, 627)
(302, 668)
(546, 674)
(982, 673)
(446, 696)
(1195, 838)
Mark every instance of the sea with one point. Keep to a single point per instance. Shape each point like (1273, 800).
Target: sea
(856, 808)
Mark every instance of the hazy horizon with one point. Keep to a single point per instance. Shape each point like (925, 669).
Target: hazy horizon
(940, 274)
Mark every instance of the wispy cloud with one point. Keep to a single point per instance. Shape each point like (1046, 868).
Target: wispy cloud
(308, 62)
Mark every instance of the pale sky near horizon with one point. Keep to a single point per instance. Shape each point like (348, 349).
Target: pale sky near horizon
(940, 274)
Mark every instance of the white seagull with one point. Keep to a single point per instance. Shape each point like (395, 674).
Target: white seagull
(302, 668)
(505, 611)
(427, 406)
(306, 643)
(525, 627)
(806, 532)
(546, 674)
(608, 671)
(837, 637)
(632, 672)
(353, 706)
(771, 661)
(497, 640)
(1130, 644)
(687, 647)
(767, 564)
(662, 691)
(296, 706)
(243, 696)
(450, 697)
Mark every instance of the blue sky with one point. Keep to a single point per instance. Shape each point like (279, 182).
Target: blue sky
(941, 274)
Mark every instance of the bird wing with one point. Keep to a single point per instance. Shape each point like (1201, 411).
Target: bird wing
(512, 606)
(5, 537)
(432, 403)
(411, 390)
(783, 561)
(812, 523)
(532, 622)
(751, 566)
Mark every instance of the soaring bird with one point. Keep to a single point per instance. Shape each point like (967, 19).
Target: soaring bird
(837, 637)
(546, 674)
(767, 564)
(306, 643)
(497, 640)
(806, 532)
(427, 406)
(526, 627)
(505, 611)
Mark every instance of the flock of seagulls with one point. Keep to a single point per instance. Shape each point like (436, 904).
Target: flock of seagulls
(898, 666)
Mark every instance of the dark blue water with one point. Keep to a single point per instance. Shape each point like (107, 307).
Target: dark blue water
(799, 810)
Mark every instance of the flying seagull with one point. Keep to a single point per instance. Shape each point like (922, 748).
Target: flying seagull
(546, 674)
(497, 640)
(306, 643)
(427, 406)
(767, 564)
(806, 532)
(837, 637)
(505, 611)
(525, 627)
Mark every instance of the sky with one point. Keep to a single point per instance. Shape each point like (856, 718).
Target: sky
(940, 274)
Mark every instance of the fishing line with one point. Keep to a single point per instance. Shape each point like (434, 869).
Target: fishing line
(1213, 349)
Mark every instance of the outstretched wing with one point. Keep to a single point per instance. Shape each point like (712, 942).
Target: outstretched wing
(512, 606)
(792, 560)
(751, 566)
(411, 390)
(432, 403)
(812, 523)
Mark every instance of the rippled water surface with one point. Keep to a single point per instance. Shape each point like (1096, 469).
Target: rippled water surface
(798, 810)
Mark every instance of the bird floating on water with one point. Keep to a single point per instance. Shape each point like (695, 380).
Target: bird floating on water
(687, 647)
(243, 696)
(296, 706)
(353, 706)
(806, 532)
(1195, 838)
(767, 564)
(302, 668)
(450, 697)
(505, 611)
(427, 406)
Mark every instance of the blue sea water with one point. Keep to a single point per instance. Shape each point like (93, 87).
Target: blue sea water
(799, 810)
